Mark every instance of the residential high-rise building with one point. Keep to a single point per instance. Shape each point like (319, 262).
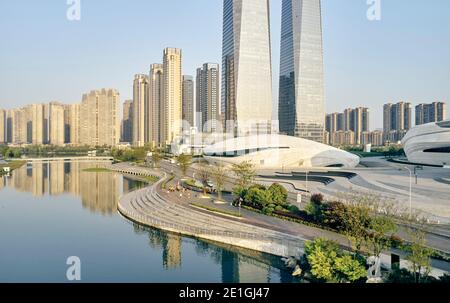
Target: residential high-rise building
(208, 97)
(37, 124)
(140, 102)
(396, 120)
(156, 90)
(427, 113)
(361, 123)
(246, 67)
(19, 125)
(301, 110)
(171, 118)
(3, 128)
(74, 124)
(355, 120)
(188, 101)
(99, 120)
(127, 122)
(56, 123)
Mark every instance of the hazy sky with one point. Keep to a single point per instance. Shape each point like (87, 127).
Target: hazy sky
(45, 57)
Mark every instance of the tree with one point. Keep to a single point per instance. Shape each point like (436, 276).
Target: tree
(355, 219)
(278, 194)
(245, 173)
(204, 173)
(349, 269)
(185, 162)
(419, 253)
(219, 174)
(381, 230)
(314, 207)
(156, 157)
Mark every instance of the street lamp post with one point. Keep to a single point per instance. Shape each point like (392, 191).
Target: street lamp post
(307, 181)
(410, 190)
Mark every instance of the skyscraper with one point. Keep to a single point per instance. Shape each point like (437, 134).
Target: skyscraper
(301, 110)
(2, 126)
(156, 90)
(99, 121)
(427, 113)
(37, 123)
(208, 97)
(56, 115)
(188, 101)
(246, 66)
(172, 95)
(127, 122)
(74, 123)
(140, 102)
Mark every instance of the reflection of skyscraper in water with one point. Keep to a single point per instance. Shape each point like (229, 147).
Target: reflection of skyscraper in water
(38, 179)
(230, 267)
(172, 251)
(99, 191)
(237, 268)
(56, 178)
(2, 182)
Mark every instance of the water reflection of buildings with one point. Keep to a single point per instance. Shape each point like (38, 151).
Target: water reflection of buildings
(99, 192)
(236, 266)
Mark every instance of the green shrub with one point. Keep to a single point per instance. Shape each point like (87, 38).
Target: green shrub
(278, 194)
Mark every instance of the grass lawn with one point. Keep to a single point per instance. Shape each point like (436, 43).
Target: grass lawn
(219, 211)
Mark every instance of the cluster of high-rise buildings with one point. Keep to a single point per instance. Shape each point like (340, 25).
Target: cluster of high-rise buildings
(94, 122)
(164, 103)
(237, 98)
(351, 128)
(234, 98)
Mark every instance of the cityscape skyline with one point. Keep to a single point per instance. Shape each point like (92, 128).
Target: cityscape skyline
(430, 90)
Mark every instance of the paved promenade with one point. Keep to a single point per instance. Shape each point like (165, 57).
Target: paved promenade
(147, 207)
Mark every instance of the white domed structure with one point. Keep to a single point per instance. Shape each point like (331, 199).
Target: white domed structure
(428, 144)
(277, 152)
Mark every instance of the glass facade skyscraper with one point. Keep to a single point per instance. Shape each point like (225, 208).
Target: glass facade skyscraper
(246, 65)
(301, 110)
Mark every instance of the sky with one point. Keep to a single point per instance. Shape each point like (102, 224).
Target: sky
(405, 56)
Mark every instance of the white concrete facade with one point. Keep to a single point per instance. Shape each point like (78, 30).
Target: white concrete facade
(429, 144)
(278, 152)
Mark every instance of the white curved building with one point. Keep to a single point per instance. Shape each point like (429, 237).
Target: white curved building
(429, 144)
(278, 152)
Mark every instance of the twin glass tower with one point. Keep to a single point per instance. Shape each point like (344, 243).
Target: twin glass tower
(247, 68)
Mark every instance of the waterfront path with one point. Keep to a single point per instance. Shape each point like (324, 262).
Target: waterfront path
(148, 207)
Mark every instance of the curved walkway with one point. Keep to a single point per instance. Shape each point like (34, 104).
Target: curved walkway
(147, 207)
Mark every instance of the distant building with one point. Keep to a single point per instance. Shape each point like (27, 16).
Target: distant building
(3, 129)
(428, 113)
(140, 101)
(188, 110)
(37, 124)
(354, 120)
(171, 111)
(56, 120)
(208, 95)
(156, 101)
(397, 120)
(127, 122)
(99, 121)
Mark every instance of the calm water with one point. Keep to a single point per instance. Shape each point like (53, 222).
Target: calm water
(51, 211)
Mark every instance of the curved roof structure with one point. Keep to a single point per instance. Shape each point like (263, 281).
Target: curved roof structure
(278, 151)
(429, 144)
